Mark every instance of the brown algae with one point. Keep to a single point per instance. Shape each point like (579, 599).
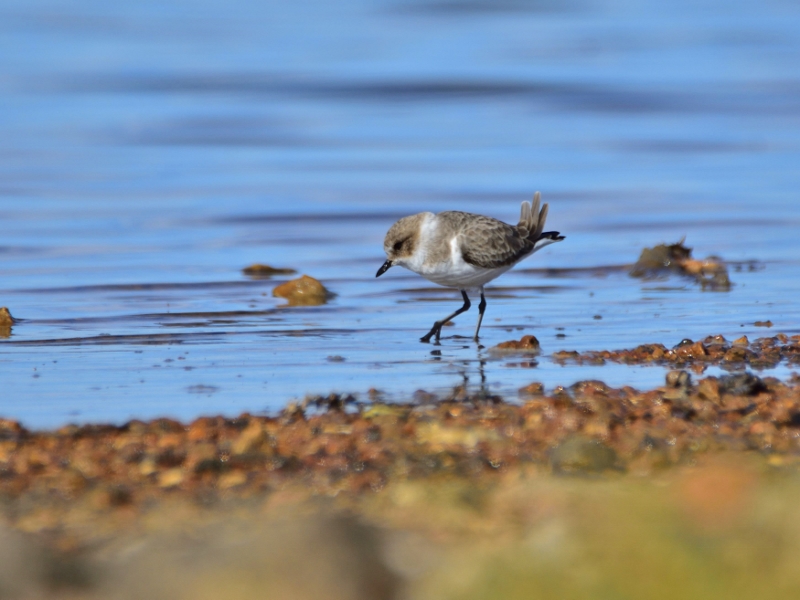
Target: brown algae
(711, 273)
(261, 271)
(527, 344)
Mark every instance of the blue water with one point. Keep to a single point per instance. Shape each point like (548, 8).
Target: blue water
(151, 150)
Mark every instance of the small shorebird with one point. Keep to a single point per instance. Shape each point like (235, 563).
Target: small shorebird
(464, 251)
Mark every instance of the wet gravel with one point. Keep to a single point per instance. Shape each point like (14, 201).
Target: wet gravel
(333, 445)
(762, 353)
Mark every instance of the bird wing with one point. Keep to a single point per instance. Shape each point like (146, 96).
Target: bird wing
(490, 244)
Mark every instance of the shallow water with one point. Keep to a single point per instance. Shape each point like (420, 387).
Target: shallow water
(150, 151)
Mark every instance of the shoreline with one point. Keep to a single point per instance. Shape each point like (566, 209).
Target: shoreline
(333, 445)
(416, 492)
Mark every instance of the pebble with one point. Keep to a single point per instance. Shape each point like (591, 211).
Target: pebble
(304, 291)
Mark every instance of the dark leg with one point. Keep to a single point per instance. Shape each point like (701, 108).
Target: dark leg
(437, 327)
(481, 310)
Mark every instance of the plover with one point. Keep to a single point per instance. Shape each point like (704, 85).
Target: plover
(464, 251)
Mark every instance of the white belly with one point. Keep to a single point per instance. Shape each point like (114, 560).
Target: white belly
(461, 275)
(454, 271)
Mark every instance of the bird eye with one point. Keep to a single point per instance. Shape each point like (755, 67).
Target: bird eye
(397, 246)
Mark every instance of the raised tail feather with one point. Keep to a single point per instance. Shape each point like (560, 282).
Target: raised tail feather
(533, 219)
(525, 217)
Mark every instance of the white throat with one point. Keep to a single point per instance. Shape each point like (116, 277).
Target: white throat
(427, 230)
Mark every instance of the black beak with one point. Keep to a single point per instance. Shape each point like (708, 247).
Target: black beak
(384, 267)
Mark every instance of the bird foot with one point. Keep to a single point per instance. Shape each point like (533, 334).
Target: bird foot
(435, 330)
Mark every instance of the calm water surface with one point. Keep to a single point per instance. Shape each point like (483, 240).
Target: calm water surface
(150, 151)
